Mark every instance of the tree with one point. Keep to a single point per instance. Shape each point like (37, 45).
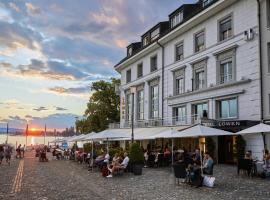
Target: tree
(103, 107)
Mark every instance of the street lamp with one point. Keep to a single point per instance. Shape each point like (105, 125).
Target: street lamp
(132, 91)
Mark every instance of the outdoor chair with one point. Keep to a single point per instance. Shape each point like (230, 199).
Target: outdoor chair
(151, 160)
(244, 164)
(179, 171)
(160, 160)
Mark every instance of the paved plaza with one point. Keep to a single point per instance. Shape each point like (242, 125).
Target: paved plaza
(29, 179)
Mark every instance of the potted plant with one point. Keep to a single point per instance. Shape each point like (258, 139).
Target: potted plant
(136, 158)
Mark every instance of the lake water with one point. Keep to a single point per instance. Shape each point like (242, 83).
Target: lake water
(34, 140)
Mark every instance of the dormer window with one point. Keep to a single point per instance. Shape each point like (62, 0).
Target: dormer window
(206, 2)
(155, 34)
(129, 51)
(146, 40)
(176, 19)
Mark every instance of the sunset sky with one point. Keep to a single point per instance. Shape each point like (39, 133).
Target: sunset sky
(52, 50)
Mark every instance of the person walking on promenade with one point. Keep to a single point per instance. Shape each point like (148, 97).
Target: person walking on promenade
(23, 150)
(18, 150)
(8, 152)
(1, 153)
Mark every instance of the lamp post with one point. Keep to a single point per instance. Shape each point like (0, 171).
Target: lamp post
(132, 91)
(7, 134)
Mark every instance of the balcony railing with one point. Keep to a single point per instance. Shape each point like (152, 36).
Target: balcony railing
(158, 122)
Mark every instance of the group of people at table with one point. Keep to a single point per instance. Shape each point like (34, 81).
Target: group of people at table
(105, 163)
(259, 167)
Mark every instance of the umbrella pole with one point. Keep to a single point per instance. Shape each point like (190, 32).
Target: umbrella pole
(107, 145)
(92, 155)
(201, 157)
(172, 151)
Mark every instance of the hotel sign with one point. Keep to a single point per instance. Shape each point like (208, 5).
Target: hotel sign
(223, 123)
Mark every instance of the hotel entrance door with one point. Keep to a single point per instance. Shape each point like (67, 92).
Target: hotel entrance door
(226, 149)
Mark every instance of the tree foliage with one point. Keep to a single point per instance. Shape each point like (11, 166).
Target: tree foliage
(103, 107)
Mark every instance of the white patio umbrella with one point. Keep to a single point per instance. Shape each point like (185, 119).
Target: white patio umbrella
(194, 131)
(105, 135)
(259, 128)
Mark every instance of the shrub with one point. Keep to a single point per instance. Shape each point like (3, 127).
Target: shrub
(87, 147)
(136, 154)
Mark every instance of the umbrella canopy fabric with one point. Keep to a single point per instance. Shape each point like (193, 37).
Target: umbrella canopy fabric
(76, 138)
(88, 136)
(259, 128)
(199, 131)
(108, 134)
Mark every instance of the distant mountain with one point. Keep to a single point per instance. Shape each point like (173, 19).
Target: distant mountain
(11, 130)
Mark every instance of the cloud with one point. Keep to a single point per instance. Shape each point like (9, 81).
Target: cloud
(14, 36)
(32, 10)
(14, 7)
(28, 116)
(79, 91)
(41, 108)
(60, 109)
(5, 65)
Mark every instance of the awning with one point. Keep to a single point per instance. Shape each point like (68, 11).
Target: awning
(259, 128)
(200, 131)
(109, 134)
(144, 133)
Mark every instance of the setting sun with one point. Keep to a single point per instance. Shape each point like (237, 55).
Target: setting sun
(33, 129)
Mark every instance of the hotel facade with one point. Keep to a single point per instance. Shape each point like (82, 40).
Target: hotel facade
(209, 63)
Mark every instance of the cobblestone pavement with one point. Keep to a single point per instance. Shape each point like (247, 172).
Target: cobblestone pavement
(30, 179)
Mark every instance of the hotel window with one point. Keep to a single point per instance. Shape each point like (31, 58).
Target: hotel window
(206, 2)
(227, 108)
(139, 70)
(226, 67)
(200, 110)
(179, 77)
(146, 40)
(140, 104)
(199, 43)
(176, 19)
(129, 51)
(154, 101)
(154, 34)
(180, 115)
(179, 51)
(225, 28)
(128, 76)
(199, 75)
(128, 106)
(268, 55)
(153, 63)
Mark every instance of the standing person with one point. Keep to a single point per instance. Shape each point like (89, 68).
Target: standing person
(8, 152)
(1, 153)
(18, 150)
(23, 150)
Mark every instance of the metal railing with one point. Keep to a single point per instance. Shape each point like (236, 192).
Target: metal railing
(158, 122)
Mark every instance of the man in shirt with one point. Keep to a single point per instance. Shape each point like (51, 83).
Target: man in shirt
(207, 164)
(123, 165)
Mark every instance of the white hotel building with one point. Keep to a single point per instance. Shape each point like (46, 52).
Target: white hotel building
(208, 63)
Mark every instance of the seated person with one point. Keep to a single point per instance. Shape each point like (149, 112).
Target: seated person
(207, 164)
(167, 152)
(116, 167)
(266, 158)
(248, 155)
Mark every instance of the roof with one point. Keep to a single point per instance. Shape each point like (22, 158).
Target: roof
(191, 15)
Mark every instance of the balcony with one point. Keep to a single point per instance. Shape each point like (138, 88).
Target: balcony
(159, 122)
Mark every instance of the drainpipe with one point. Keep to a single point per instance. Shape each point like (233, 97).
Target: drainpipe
(261, 68)
(260, 58)
(162, 93)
